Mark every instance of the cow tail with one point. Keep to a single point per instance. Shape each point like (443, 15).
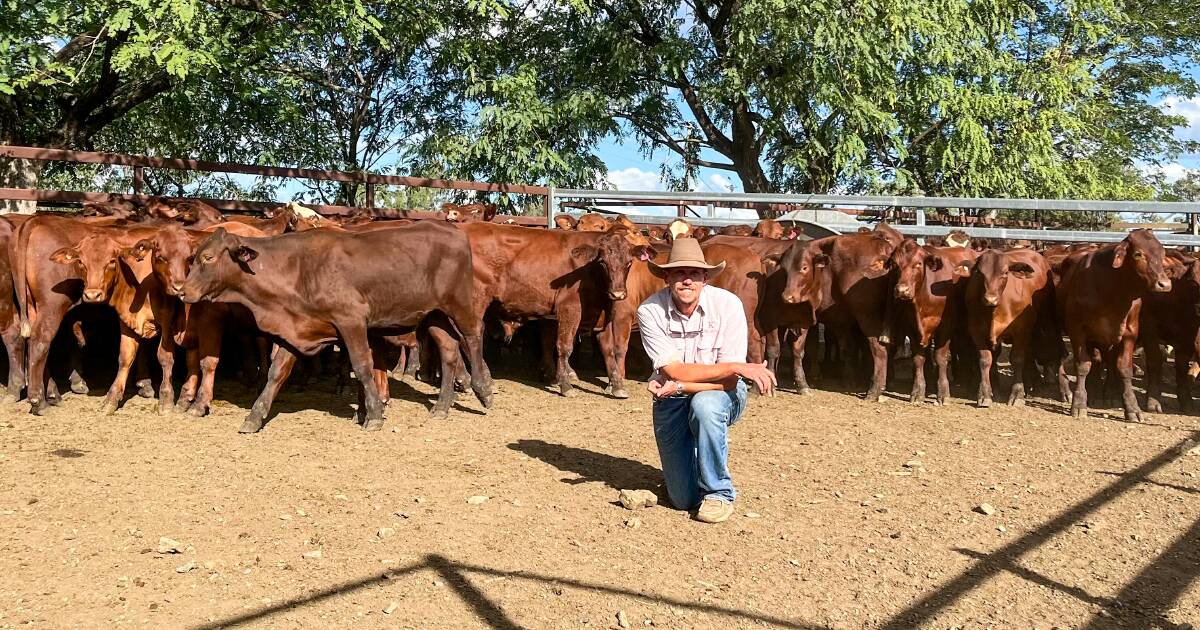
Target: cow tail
(16, 256)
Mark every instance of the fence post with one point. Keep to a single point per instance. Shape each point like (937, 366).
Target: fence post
(551, 203)
(712, 210)
(139, 181)
(679, 211)
(370, 196)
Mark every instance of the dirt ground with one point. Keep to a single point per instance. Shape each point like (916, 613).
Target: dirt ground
(849, 515)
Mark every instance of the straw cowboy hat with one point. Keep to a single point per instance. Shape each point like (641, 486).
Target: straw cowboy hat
(686, 252)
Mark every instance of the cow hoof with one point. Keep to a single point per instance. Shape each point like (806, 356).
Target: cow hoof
(439, 414)
(38, 408)
(197, 411)
(1016, 402)
(166, 410)
(374, 424)
(804, 391)
(1153, 406)
(939, 401)
(251, 426)
(983, 403)
(79, 387)
(1080, 413)
(621, 393)
(145, 389)
(108, 408)
(1133, 416)
(916, 399)
(568, 392)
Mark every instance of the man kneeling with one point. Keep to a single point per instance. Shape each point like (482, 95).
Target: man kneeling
(696, 337)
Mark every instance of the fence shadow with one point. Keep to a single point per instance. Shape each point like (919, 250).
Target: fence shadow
(488, 611)
(616, 472)
(1005, 558)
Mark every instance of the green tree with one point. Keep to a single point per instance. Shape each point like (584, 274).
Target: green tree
(990, 98)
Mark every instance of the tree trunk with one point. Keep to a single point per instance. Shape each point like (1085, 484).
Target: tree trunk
(19, 173)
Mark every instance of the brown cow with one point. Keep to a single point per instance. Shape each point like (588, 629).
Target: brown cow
(187, 211)
(387, 281)
(736, 230)
(1010, 297)
(464, 213)
(929, 294)
(1172, 318)
(114, 272)
(10, 320)
(1099, 302)
(117, 209)
(593, 222)
(550, 274)
(796, 284)
(768, 228)
(565, 222)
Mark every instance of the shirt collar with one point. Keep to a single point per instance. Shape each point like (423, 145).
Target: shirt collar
(701, 305)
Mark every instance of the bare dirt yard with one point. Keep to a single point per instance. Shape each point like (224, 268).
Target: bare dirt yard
(850, 515)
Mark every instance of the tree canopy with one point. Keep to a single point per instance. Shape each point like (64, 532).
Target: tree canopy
(1020, 98)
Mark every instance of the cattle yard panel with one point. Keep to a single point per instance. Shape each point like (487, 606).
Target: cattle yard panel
(601, 199)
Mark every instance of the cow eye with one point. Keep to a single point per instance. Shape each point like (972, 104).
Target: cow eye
(1138, 255)
(160, 259)
(207, 259)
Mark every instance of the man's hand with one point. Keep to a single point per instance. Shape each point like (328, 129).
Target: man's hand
(661, 387)
(763, 379)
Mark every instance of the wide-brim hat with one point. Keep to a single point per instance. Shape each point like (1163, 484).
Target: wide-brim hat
(686, 252)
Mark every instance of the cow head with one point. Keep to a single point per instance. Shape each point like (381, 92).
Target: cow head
(804, 264)
(679, 229)
(768, 228)
(564, 222)
(170, 251)
(994, 269)
(98, 256)
(614, 255)
(592, 222)
(219, 261)
(1141, 255)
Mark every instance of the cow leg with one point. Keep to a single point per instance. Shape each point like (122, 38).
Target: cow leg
(448, 352)
(14, 343)
(166, 360)
(208, 353)
(354, 336)
(1124, 361)
(1083, 367)
(549, 340)
(918, 386)
(615, 340)
(984, 398)
(78, 385)
(1183, 382)
(43, 331)
(941, 355)
(798, 347)
(142, 375)
(879, 356)
(481, 376)
(566, 343)
(414, 360)
(1016, 359)
(282, 362)
(187, 393)
(1154, 369)
(398, 372)
(772, 349)
(125, 361)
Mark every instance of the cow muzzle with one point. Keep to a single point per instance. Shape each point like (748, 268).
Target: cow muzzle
(791, 297)
(903, 292)
(616, 295)
(91, 296)
(991, 300)
(1163, 285)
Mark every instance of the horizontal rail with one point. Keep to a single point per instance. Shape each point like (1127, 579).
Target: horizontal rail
(1069, 205)
(1058, 236)
(121, 159)
(227, 205)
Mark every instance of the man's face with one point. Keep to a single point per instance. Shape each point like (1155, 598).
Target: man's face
(685, 283)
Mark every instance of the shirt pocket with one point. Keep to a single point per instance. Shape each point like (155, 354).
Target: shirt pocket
(707, 345)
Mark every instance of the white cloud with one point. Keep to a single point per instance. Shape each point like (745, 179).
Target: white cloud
(634, 178)
(1189, 108)
(1170, 172)
(720, 183)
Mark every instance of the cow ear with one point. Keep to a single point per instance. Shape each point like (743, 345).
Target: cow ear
(821, 260)
(1119, 254)
(963, 269)
(878, 268)
(644, 253)
(772, 259)
(1178, 271)
(65, 256)
(584, 254)
(140, 249)
(935, 263)
(244, 254)
(1020, 270)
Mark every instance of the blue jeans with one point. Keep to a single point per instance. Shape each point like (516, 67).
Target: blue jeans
(691, 433)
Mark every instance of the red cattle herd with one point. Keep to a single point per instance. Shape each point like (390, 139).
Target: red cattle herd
(181, 277)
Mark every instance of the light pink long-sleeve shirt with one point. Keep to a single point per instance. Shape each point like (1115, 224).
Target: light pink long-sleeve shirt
(715, 332)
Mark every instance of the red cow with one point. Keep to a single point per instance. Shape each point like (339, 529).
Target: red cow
(1099, 301)
(1172, 318)
(929, 290)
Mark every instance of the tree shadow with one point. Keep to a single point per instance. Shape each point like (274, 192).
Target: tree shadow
(616, 472)
(488, 611)
(1154, 483)
(988, 565)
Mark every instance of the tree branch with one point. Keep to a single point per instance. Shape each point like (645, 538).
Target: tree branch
(662, 137)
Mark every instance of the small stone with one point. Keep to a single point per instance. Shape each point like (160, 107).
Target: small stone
(418, 499)
(753, 515)
(285, 517)
(167, 545)
(622, 620)
(385, 532)
(391, 608)
(637, 499)
(1002, 529)
(341, 497)
(964, 442)
(986, 509)
(913, 463)
(633, 523)
(477, 499)
(311, 555)
(191, 566)
(300, 512)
